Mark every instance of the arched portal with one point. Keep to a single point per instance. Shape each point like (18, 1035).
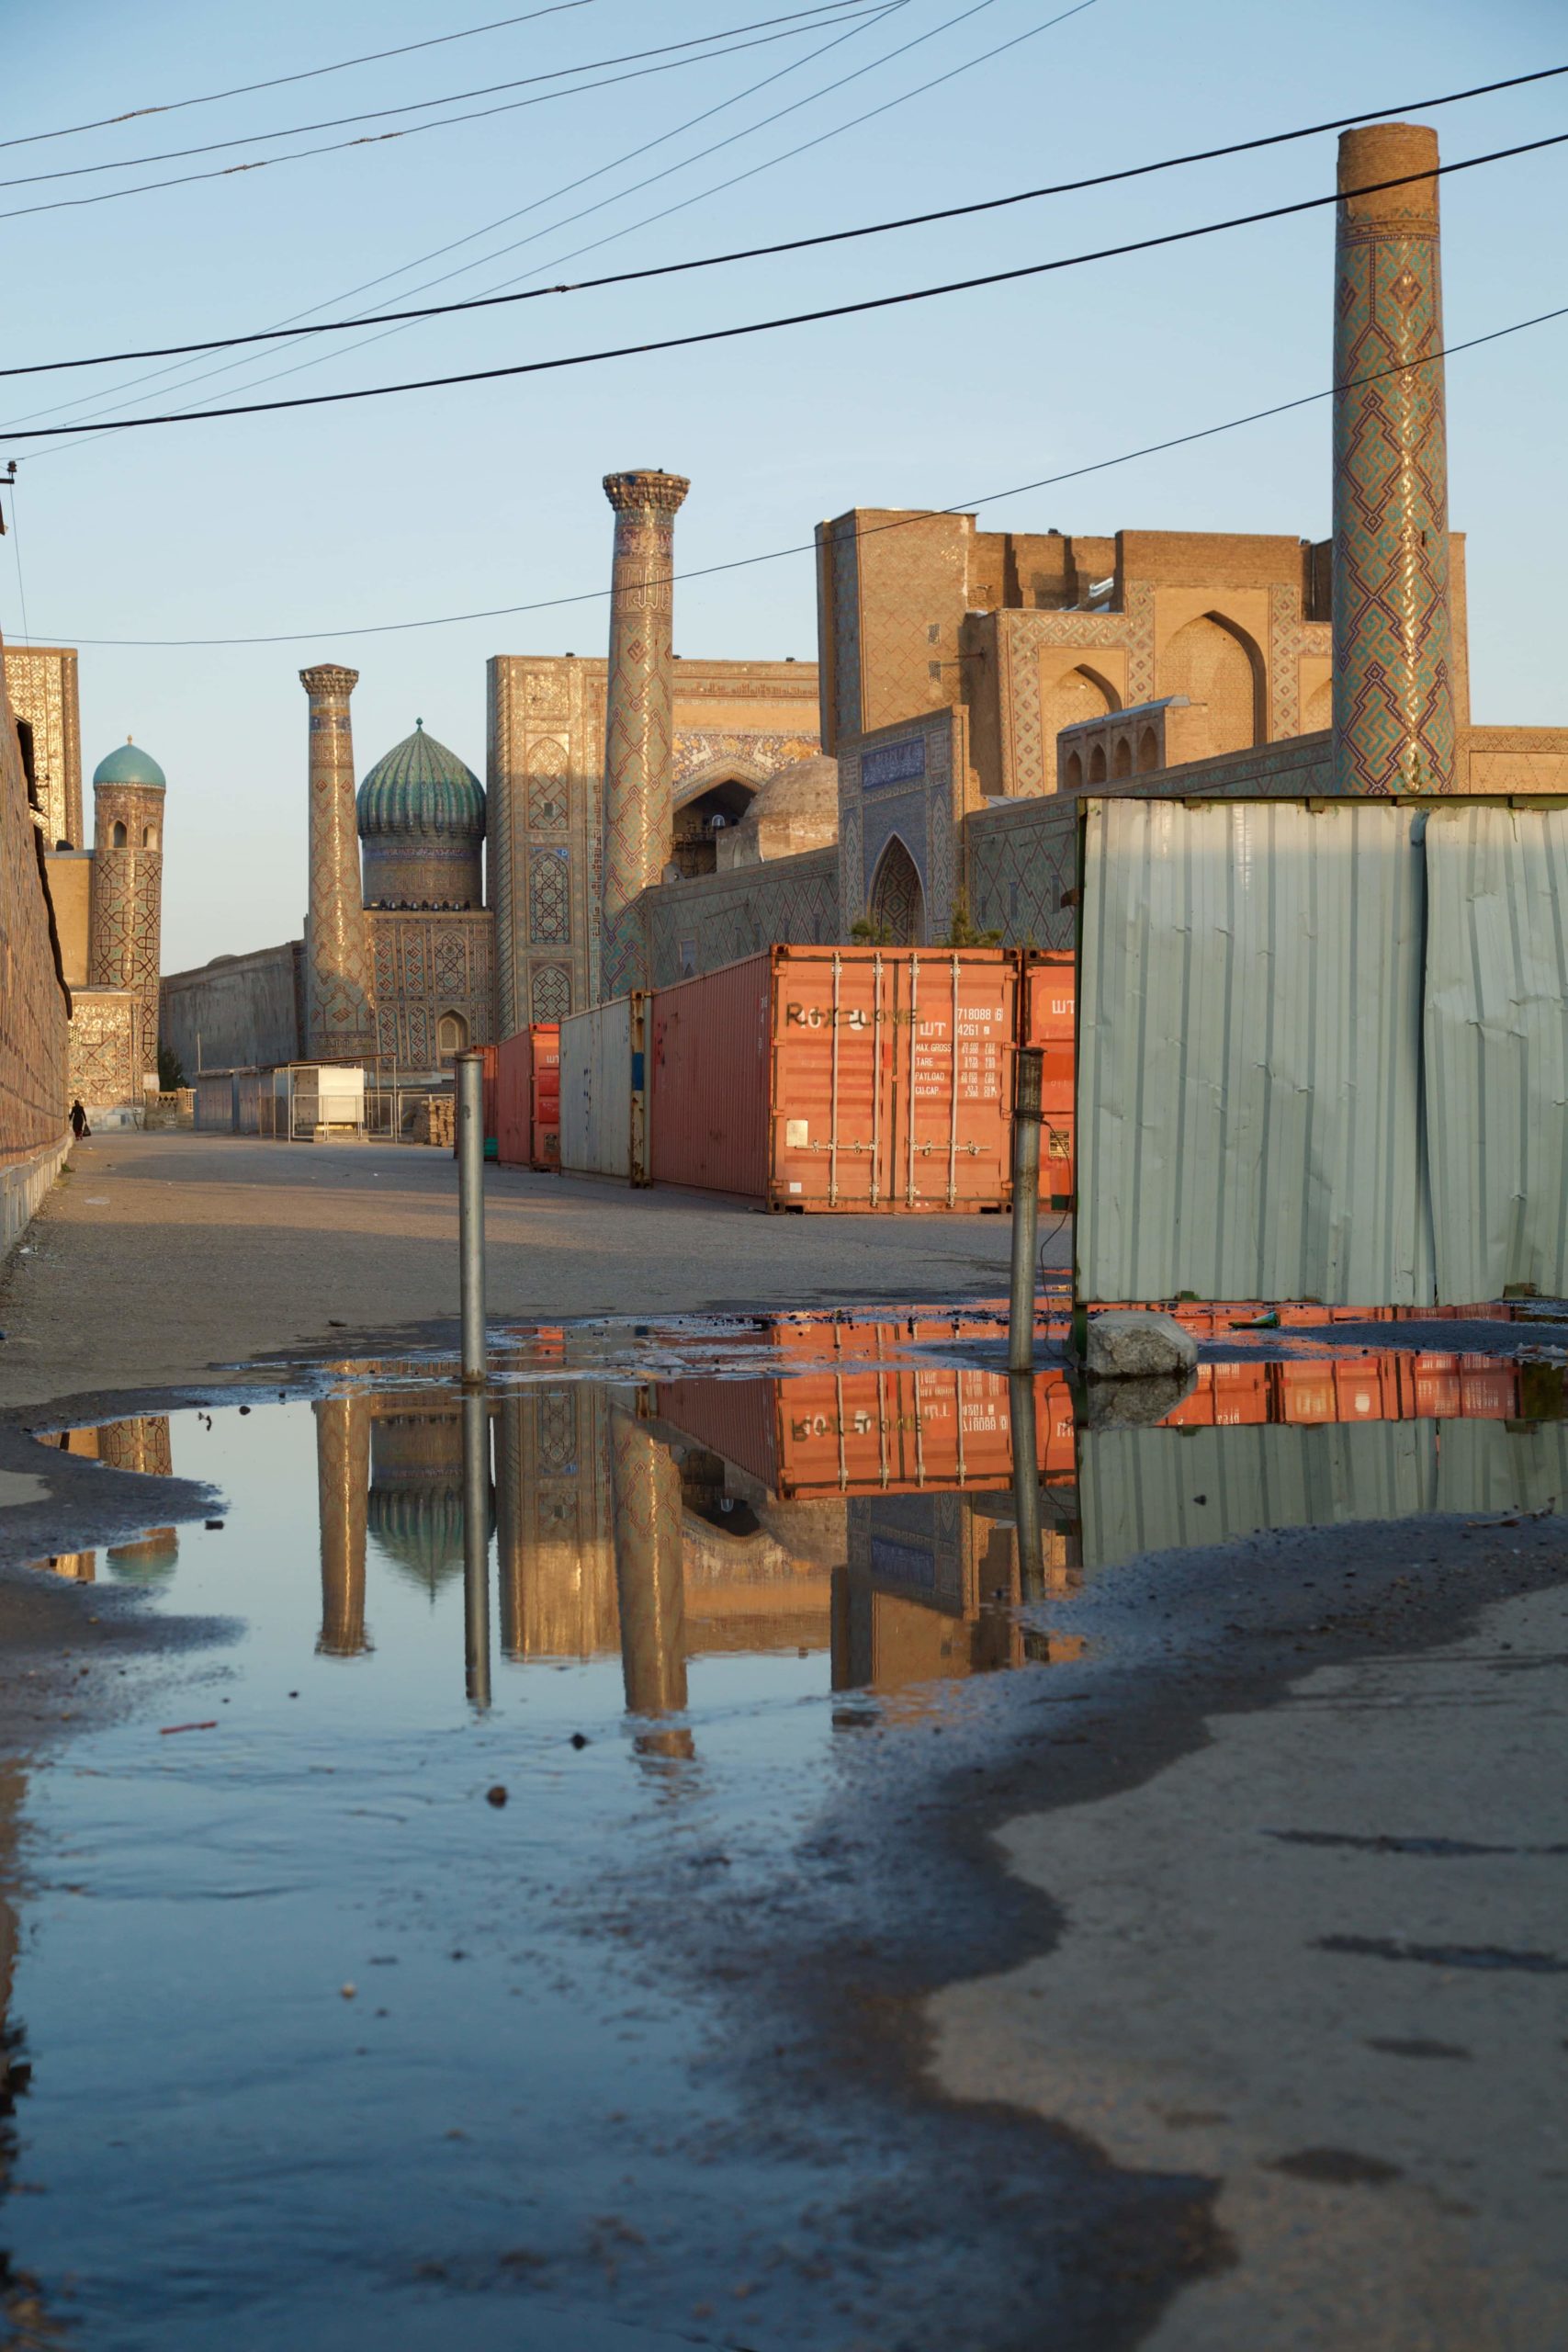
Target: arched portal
(1082, 693)
(451, 1036)
(1213, 661)
(700, 820)
(898, 899)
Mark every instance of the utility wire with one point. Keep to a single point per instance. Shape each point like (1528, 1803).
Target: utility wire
(760, 253)
(873, 530)
(825, 11)
(793, 319)
(382, 138)
(278, 80)
(16, 551)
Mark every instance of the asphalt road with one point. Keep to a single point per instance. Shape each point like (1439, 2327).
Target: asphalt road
(158, 1257)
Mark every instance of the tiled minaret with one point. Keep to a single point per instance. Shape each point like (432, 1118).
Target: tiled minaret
(340, 1016)
(645, 1487)
(1394, 711)
(126, 906)
(638, 803)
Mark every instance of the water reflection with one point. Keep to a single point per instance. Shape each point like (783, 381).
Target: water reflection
(141, 1444)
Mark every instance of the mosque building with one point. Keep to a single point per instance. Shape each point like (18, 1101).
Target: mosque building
(648, 815)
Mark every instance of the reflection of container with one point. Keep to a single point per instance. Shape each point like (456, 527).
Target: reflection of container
(838, 1078)
(1047, 1014)
(893, 1431)
(603, 1102)
(528, 1097)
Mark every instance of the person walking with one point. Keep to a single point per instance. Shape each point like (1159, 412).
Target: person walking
(79, 1126)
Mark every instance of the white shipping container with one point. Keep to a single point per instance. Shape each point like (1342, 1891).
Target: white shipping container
(604, 1099)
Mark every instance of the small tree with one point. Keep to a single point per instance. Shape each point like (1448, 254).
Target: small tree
(171, 1069)
(871, 932)
(962, 931)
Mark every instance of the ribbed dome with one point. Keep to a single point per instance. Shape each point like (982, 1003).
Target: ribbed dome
(421, 791)
(129, 764)
(804, 788)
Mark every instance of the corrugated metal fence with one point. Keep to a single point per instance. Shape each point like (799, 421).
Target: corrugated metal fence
(1323, 1052)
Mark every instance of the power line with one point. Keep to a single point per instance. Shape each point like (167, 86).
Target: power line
(825, 11)
(874, 530)
(786, 246)
(720, 107)
(793, 319)
(311, 73)
(384, 138)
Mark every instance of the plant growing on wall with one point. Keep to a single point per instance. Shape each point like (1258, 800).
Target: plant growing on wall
(962, 931)
(870, 932)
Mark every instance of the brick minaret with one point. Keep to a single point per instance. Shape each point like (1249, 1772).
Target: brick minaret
(340, 1016)
(126, 907)
(639, 812)
(645, 1487)
(1393, 712)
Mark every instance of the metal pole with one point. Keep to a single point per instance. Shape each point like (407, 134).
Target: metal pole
(1025, 1206)
(476, 1547)
(1026, 1484)
(471, 1212)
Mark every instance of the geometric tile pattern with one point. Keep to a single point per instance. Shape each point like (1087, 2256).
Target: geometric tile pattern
(695, 927)
(105, 1049)
(1029, 750)
(551, 992)
(123, 947)
(1022, 861)
(1393, 716)
(427, 963)
(340, 1011)
(639, 718)
(550, 896)
(42, 683)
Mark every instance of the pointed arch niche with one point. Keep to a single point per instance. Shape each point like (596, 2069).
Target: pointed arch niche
(1213, 661)
(1078, 694)
(897, 905)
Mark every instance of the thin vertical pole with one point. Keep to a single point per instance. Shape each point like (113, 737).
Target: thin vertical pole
(471, 1213)
(476, 1547)
(1025, 1206)
(1026, 1484)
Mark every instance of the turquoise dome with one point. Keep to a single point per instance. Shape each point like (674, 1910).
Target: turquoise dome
(422, 789)
(129, 764)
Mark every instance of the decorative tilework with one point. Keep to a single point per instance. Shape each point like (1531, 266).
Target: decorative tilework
(127, 899)
(42, 683)
(1029, 762)
(1393, 717)
(106, 1064)
(723, 917)
(550, 897)
(339, 1006)
(638, 720)
(551, 985)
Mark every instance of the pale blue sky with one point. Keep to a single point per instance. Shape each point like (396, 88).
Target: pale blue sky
(448, 501)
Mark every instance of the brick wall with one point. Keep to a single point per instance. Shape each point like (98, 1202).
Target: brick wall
(34, 1007)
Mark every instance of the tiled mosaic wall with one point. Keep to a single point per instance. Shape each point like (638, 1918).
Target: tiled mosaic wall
(107, 1046)
(693, 927)
(426, 964)
(124, 940)
(1021, 860)
(906, 782)
(41, 681)
(33, 1005)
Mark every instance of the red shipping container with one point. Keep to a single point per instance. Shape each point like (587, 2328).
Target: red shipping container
(1047, 1004)
(527, 1097)
(839, 1078)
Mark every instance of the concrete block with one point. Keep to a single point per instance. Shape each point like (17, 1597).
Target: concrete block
(1126, 1344)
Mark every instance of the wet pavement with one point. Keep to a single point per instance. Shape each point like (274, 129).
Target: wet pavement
(697, 1849)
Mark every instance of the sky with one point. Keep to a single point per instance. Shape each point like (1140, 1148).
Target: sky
(316, 524)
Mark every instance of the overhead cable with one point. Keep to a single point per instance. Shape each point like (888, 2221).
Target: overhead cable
(825, 12)
(873, 530)
(761, 252)
(413, 129)
(278, 80)
(792, 319)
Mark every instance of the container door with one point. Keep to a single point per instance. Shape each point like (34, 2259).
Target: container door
(949, 1069)
(827, 1116)
(1048, 991)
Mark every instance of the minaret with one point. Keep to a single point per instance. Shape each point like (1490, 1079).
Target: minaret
(340, 1013)
(645, 1487)
(125, 920)
(639, 730)
(1393, 713)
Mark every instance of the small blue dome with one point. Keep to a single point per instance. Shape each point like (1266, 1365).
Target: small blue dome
(422, 788)
(129, 764)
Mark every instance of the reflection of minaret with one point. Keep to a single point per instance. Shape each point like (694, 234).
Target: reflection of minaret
(646, 1491)
(343, 1474)
(1393, 705)
(339, 996)
(639, 713)
(556, 1556)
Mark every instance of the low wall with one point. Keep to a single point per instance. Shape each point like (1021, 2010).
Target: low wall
(695, 927)
(34, 1004)
(237, 1012)
(23, 1185)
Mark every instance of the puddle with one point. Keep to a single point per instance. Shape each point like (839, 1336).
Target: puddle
(324, 2032)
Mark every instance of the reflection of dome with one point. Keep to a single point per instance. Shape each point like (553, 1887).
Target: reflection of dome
(129, 764)
(422, 789)
(156, 1557)
(419, 1530)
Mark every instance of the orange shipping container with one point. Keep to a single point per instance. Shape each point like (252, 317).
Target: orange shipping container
(1047, 1003)
(527, 1098)
(839, 1078)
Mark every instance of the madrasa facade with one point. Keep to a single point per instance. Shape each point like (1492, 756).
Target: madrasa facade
(648, 817)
